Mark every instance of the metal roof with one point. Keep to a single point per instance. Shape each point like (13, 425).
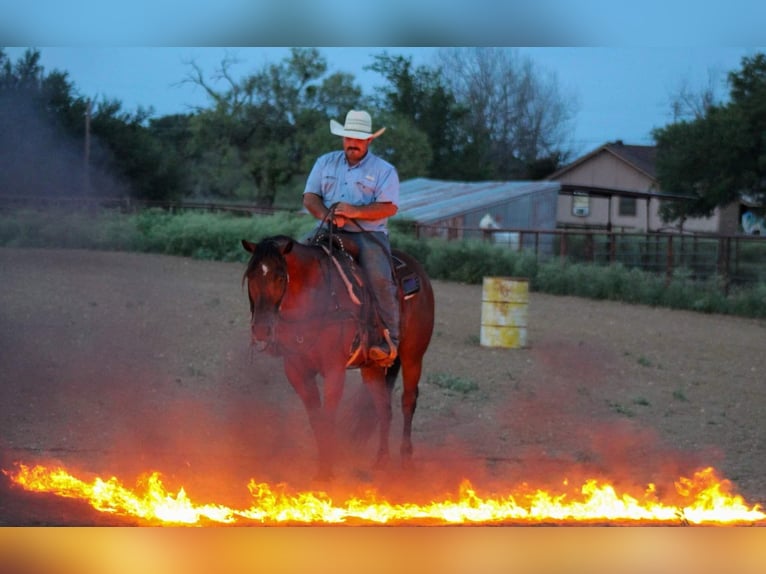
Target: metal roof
(432, 200)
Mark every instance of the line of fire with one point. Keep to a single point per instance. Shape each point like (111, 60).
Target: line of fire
(702, 499)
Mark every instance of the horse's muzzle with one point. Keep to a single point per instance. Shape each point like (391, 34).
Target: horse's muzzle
(261, 336)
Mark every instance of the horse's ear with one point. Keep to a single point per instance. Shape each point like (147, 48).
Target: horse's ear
(248, 245)
(286, 245)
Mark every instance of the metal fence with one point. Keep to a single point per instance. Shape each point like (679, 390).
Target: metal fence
(129, 205)
(732, 259)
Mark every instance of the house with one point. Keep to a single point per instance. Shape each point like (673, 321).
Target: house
(615, 187)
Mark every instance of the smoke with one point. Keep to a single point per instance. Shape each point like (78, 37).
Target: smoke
(39, 160)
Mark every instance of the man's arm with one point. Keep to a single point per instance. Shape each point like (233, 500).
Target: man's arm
(372, 211)
(314, 205)
(345, 211)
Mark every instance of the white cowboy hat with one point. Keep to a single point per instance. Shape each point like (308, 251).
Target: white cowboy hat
(358, 126)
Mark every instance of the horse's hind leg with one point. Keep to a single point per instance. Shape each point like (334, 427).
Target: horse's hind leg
(411, 372)
(374, 380)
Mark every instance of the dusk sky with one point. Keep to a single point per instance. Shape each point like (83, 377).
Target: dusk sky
(621, 64)
(621, 92)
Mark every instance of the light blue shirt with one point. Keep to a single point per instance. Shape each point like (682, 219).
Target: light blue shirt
(372, 180)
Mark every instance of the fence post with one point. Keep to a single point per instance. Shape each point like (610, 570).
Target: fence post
(727, 265)
(669, 261)
(563, 247)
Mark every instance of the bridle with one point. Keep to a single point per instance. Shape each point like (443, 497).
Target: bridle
(274, 318)
(272, 312)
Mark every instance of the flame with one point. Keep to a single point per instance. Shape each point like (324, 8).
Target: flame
(706, 499)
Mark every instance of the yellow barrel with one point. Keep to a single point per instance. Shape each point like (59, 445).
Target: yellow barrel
(504, 312)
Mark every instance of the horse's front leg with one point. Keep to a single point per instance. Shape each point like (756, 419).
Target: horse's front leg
(303, 380)
(374, 380)
(333, 383)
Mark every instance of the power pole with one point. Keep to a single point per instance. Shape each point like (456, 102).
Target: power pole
(88, 109)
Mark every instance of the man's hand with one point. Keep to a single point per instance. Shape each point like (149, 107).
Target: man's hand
(347, 211)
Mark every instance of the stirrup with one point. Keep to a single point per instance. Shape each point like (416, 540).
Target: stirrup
(378, 355)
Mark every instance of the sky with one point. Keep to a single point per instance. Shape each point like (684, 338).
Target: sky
(620, 62)
(620, 93)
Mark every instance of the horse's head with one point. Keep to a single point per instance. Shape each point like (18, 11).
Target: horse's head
(266, 277)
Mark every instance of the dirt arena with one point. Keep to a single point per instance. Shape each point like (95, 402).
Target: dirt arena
(119, 364)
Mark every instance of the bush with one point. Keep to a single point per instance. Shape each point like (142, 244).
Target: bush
(217, 236)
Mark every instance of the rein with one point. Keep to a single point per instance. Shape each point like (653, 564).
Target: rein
(330, 227)
(330, 314)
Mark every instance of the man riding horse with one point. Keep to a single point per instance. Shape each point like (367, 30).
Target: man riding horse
(357, 192)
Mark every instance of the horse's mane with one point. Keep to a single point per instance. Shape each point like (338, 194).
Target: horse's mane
(268, 247)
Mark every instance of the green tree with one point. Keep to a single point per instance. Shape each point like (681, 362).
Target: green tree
(39, 152)
(719, 155)
(55, 141)
(419, 96)
(403, 145)
(263, 131)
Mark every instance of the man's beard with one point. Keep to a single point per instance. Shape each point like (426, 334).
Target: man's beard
(353, 153)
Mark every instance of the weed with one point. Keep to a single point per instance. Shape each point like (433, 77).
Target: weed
(644, 362)
(621, 409)
(452, 383)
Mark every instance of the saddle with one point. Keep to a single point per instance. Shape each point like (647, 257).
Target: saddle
(344, 253)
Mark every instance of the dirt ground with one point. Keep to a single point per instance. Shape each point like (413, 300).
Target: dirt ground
(118, 364)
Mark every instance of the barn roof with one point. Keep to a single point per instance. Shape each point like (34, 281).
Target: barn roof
(432, 200)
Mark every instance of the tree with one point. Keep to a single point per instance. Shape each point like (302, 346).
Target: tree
(513, 107)
(264, 129)
(689, 103)
(403, 145)
(44, 149)
(720, 155)
(419, 96)
(39, 154)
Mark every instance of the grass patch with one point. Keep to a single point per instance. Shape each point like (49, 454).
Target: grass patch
(452, 383)
(621, 409)
(644, 362)
(474, 340)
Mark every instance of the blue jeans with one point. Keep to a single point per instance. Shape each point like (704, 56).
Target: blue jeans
(375, 260)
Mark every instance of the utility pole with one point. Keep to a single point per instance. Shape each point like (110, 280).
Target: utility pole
(88, 109)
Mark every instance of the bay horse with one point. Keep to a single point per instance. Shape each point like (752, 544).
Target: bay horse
(309, 305)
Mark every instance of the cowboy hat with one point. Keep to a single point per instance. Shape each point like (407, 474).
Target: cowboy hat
(358, 126)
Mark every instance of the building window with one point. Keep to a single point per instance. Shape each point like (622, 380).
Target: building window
(580, 205)
(628, 206)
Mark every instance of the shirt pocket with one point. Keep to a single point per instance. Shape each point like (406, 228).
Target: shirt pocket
(366, 189)
(328, 183)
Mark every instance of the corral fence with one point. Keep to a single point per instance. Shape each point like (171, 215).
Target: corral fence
(732, 259)
(129, 205)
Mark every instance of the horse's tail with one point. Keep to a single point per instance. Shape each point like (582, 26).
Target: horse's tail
(363, 417)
